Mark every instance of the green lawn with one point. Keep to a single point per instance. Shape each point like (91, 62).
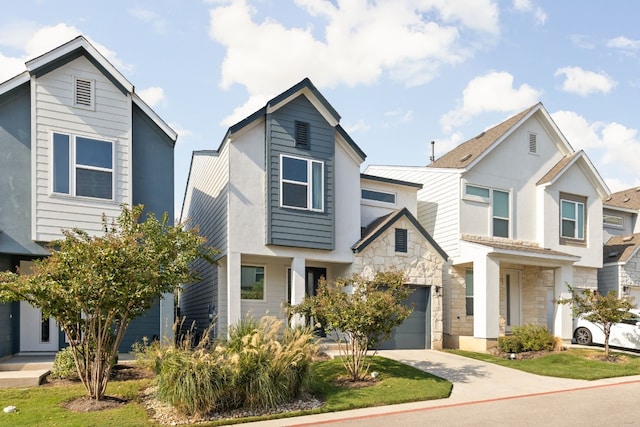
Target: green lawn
(397, 383)
(574, 363)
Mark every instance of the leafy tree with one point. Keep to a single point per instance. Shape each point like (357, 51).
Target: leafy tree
(94, 286)
(362, 318)
(602, 310)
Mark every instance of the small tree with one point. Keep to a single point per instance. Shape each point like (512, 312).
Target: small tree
(94, 286)
(602, 310)
(361, 319)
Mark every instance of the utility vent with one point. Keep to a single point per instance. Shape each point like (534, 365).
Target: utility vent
(465, 157)
(84, 93)
(533, 143)
(302, 134)
(613, 254)
(401, 240)
(627, 238)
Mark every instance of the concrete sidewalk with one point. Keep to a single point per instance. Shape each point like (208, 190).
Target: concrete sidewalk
(473, 381)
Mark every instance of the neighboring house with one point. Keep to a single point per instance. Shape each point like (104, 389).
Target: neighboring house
(621, 261)
(283, 199)
(76, 141)
(520, 214)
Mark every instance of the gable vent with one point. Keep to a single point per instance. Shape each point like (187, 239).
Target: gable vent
(84, 93)
(302, 134)
(533, 143)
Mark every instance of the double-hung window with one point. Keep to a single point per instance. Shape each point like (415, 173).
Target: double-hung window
(301, 183)
(500, 207)
(82, 166)
(571, 219)
(468, 284)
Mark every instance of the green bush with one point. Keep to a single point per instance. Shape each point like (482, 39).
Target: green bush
(509, 344)
(262, 364)
(527, 338)
(64, 367)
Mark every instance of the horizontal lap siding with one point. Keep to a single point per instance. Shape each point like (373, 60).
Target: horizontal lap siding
(111, 120)
(205, 207)
(293, 227)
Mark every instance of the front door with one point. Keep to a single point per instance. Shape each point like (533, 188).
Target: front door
(37, 334)
(314, 274)
(512, 288)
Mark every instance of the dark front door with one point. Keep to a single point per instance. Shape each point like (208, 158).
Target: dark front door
(314, 274)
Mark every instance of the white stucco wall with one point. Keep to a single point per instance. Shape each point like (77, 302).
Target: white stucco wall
(406, 197)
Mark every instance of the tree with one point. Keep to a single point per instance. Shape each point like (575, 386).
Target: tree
(602, 310)
(94, 286)
(362, 318)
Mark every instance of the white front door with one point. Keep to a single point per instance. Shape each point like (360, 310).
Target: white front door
(512, 288)
(36, 334)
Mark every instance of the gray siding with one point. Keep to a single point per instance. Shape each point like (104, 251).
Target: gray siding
(15, 174)
(195, 298)
(292, 227)
(608, 279)
(145, 326)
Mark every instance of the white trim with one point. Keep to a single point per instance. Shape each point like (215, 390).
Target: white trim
(14, 82)
(381, 203)
(610, 225)
(308, 184)
(584, 224)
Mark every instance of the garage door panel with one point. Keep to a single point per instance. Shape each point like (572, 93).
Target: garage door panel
(413, 332)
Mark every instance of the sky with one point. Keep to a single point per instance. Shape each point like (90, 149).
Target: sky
(401, 73)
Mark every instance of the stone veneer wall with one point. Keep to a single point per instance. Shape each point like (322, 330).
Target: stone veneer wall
(585, 278)
(630, 272)
(458, 323)
(422, 265)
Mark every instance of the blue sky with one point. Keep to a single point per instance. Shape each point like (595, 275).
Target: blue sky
(401, 73)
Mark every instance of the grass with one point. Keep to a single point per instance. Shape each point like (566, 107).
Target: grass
(581, 364)
(397, 383)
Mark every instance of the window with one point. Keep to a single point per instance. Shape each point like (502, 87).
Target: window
(378, 196)
(301, 183)
(83, 90)
(572, 219)
(302, 134)
(500, 213)
(468, 281)
(401, 240)
(82, 166)
(500, 205)
(533, 143)
(614, 221)
(252, 282)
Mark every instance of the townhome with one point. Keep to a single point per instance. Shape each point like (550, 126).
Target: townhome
(76, 142)
(621, 261)
(283, 199)
(519, 212)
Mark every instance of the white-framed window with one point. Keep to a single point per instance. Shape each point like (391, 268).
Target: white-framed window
(252, 282)
(82, 166)
(301, 183)
(500, 207)
(614, 221)
(84, 93)
(378, 196)
(468, 284)
(572, 219)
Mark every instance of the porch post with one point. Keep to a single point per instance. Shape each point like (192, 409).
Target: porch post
(297, 286)
(563, 319)
(486, 298)
(233, 288)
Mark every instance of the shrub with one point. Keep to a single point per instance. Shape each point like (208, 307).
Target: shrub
(64, 367)
(527, 338)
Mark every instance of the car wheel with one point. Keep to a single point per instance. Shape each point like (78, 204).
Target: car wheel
(583, 336)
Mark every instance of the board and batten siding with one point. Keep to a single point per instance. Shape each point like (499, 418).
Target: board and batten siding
(205, 207)
(53, 111)
(295, 227)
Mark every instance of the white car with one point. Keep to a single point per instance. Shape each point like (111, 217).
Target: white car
(625, 334)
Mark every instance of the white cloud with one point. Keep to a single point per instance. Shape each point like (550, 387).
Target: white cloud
(582, 41)
(444, 145)
(613, 147)
(158, 24)
(360, 43)
(358, 126)
(397, 117)
(527, 6)
(42, 41)
(491, 92)
(623, 43)
(583, 82)
(153, 96)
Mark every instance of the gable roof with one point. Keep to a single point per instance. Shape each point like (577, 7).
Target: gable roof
(626, 199)
(582, 160)
(383, 223)
(507, 246)
(467, 154)
(619, 249)
(71, 50)
(368, 177)
(304, 87)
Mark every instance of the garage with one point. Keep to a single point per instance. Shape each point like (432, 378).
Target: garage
(415, 331)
